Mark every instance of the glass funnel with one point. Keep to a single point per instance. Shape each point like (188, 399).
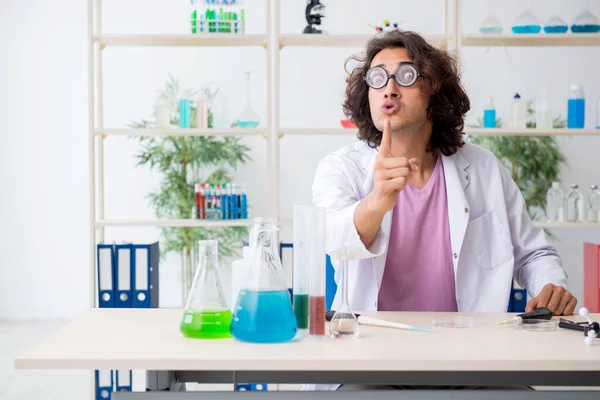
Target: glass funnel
(206, 315)
(263, 313)
(248, 118)
(343, 323)
(586, 22)
(526, 22)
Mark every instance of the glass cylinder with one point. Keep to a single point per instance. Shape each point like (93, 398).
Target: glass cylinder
(309, 269)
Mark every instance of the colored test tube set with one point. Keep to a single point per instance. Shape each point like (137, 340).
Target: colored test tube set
(217, 16)
(221, 201)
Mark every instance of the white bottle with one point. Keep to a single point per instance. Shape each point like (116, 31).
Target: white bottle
(238, 273)
(201, 112)
(517, 113)
(574, 204)
(555, 203)
(163, 113)
(594, 204)
(543, 117)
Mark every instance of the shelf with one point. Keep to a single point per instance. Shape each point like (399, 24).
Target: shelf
(546, 224)
(317, 131)
(531, 132)
(182, 132)
(325, 40)
(191, 223)
(205, 40)
(540, 39)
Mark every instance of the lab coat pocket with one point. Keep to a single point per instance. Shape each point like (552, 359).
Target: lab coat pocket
(489, 241)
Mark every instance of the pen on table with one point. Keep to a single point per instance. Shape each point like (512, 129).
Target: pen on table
(382, 323)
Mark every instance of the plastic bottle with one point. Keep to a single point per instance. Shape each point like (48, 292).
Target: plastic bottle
(574, 204)
(555, 203)
(201, 112)
(576, 107)
(193, 17)
(244, 202)
(543, 117)
(517, 113)
(594, 204)
(239, 269)
(163, 113)
(184, 113)
(489, 114)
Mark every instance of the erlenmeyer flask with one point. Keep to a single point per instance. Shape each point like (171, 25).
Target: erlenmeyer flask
(556, 24)
(526, 23)
(490, 24)
(263, 313)
(343, 323)
(206, 315)
(248, 118)
(586, 22)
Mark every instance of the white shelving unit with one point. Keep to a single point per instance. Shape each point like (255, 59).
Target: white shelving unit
(273, 42)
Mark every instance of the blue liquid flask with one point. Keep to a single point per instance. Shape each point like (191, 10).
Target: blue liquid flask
(576, 108)
(586, 22)
(263, 312)
(526, 23)
(489, 114)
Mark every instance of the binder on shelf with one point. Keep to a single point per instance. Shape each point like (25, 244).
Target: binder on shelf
(591, 277)
(145, 275)
(123, 380)
(124, 266)
(104, 384)
(106, 273)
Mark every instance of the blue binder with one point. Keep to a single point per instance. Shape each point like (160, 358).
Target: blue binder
(104, 385)
(106, 275)
(145, 275)
(123, 381)
(123, 268)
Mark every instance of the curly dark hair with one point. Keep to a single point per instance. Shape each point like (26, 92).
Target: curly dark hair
(448, 102)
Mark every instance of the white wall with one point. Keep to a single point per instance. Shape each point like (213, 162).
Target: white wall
(43, 101)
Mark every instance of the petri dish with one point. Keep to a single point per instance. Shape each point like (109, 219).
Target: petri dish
(457, 322)
(537, 325)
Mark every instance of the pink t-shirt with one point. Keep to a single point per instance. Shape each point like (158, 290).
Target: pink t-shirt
(419, 274)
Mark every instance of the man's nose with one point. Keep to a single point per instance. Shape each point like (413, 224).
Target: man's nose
(391, 90)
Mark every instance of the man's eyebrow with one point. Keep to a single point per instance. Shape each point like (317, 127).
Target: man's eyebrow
(399, 64)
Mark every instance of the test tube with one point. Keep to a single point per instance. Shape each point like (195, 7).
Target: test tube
(309, 268)
(300, 267)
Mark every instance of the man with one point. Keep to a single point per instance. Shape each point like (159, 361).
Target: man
(430, 222)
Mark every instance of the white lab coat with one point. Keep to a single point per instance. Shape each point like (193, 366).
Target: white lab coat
(492, 237)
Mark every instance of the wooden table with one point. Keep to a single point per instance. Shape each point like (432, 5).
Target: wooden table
(149, 339)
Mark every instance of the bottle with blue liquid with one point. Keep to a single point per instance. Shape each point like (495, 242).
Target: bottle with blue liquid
(556, 24)
(489, 114)
(263, 312)
(576, 108)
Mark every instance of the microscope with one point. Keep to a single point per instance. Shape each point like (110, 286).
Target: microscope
(313, 15)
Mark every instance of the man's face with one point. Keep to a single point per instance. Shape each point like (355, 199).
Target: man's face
(405, 107)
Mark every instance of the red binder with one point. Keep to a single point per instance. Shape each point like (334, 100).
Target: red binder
(591, 277)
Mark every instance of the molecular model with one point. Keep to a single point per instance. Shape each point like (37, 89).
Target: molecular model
(593, 328)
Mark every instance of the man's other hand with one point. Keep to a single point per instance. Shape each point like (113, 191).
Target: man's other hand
(555, 298)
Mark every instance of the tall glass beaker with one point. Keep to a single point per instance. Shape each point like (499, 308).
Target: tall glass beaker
(206, 315)
(309, 268)
(263, 313)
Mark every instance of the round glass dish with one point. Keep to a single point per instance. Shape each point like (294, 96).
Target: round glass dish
(537, 325)
(453, 322)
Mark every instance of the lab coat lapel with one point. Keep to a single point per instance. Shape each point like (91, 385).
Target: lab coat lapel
(457, 180)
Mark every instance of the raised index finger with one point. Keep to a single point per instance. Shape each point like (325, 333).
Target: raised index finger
(385, 148)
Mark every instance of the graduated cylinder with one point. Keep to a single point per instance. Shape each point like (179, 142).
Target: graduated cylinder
(309, 269)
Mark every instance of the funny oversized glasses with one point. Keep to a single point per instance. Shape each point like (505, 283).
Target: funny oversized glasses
(377, 77)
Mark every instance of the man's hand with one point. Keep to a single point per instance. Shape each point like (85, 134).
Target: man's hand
(556, 298)
(391, 174)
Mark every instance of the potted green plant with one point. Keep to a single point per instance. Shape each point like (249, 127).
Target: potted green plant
(534, 162)
(183, 162)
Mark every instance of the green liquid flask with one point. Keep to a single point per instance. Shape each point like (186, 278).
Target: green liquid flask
(206, 315)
